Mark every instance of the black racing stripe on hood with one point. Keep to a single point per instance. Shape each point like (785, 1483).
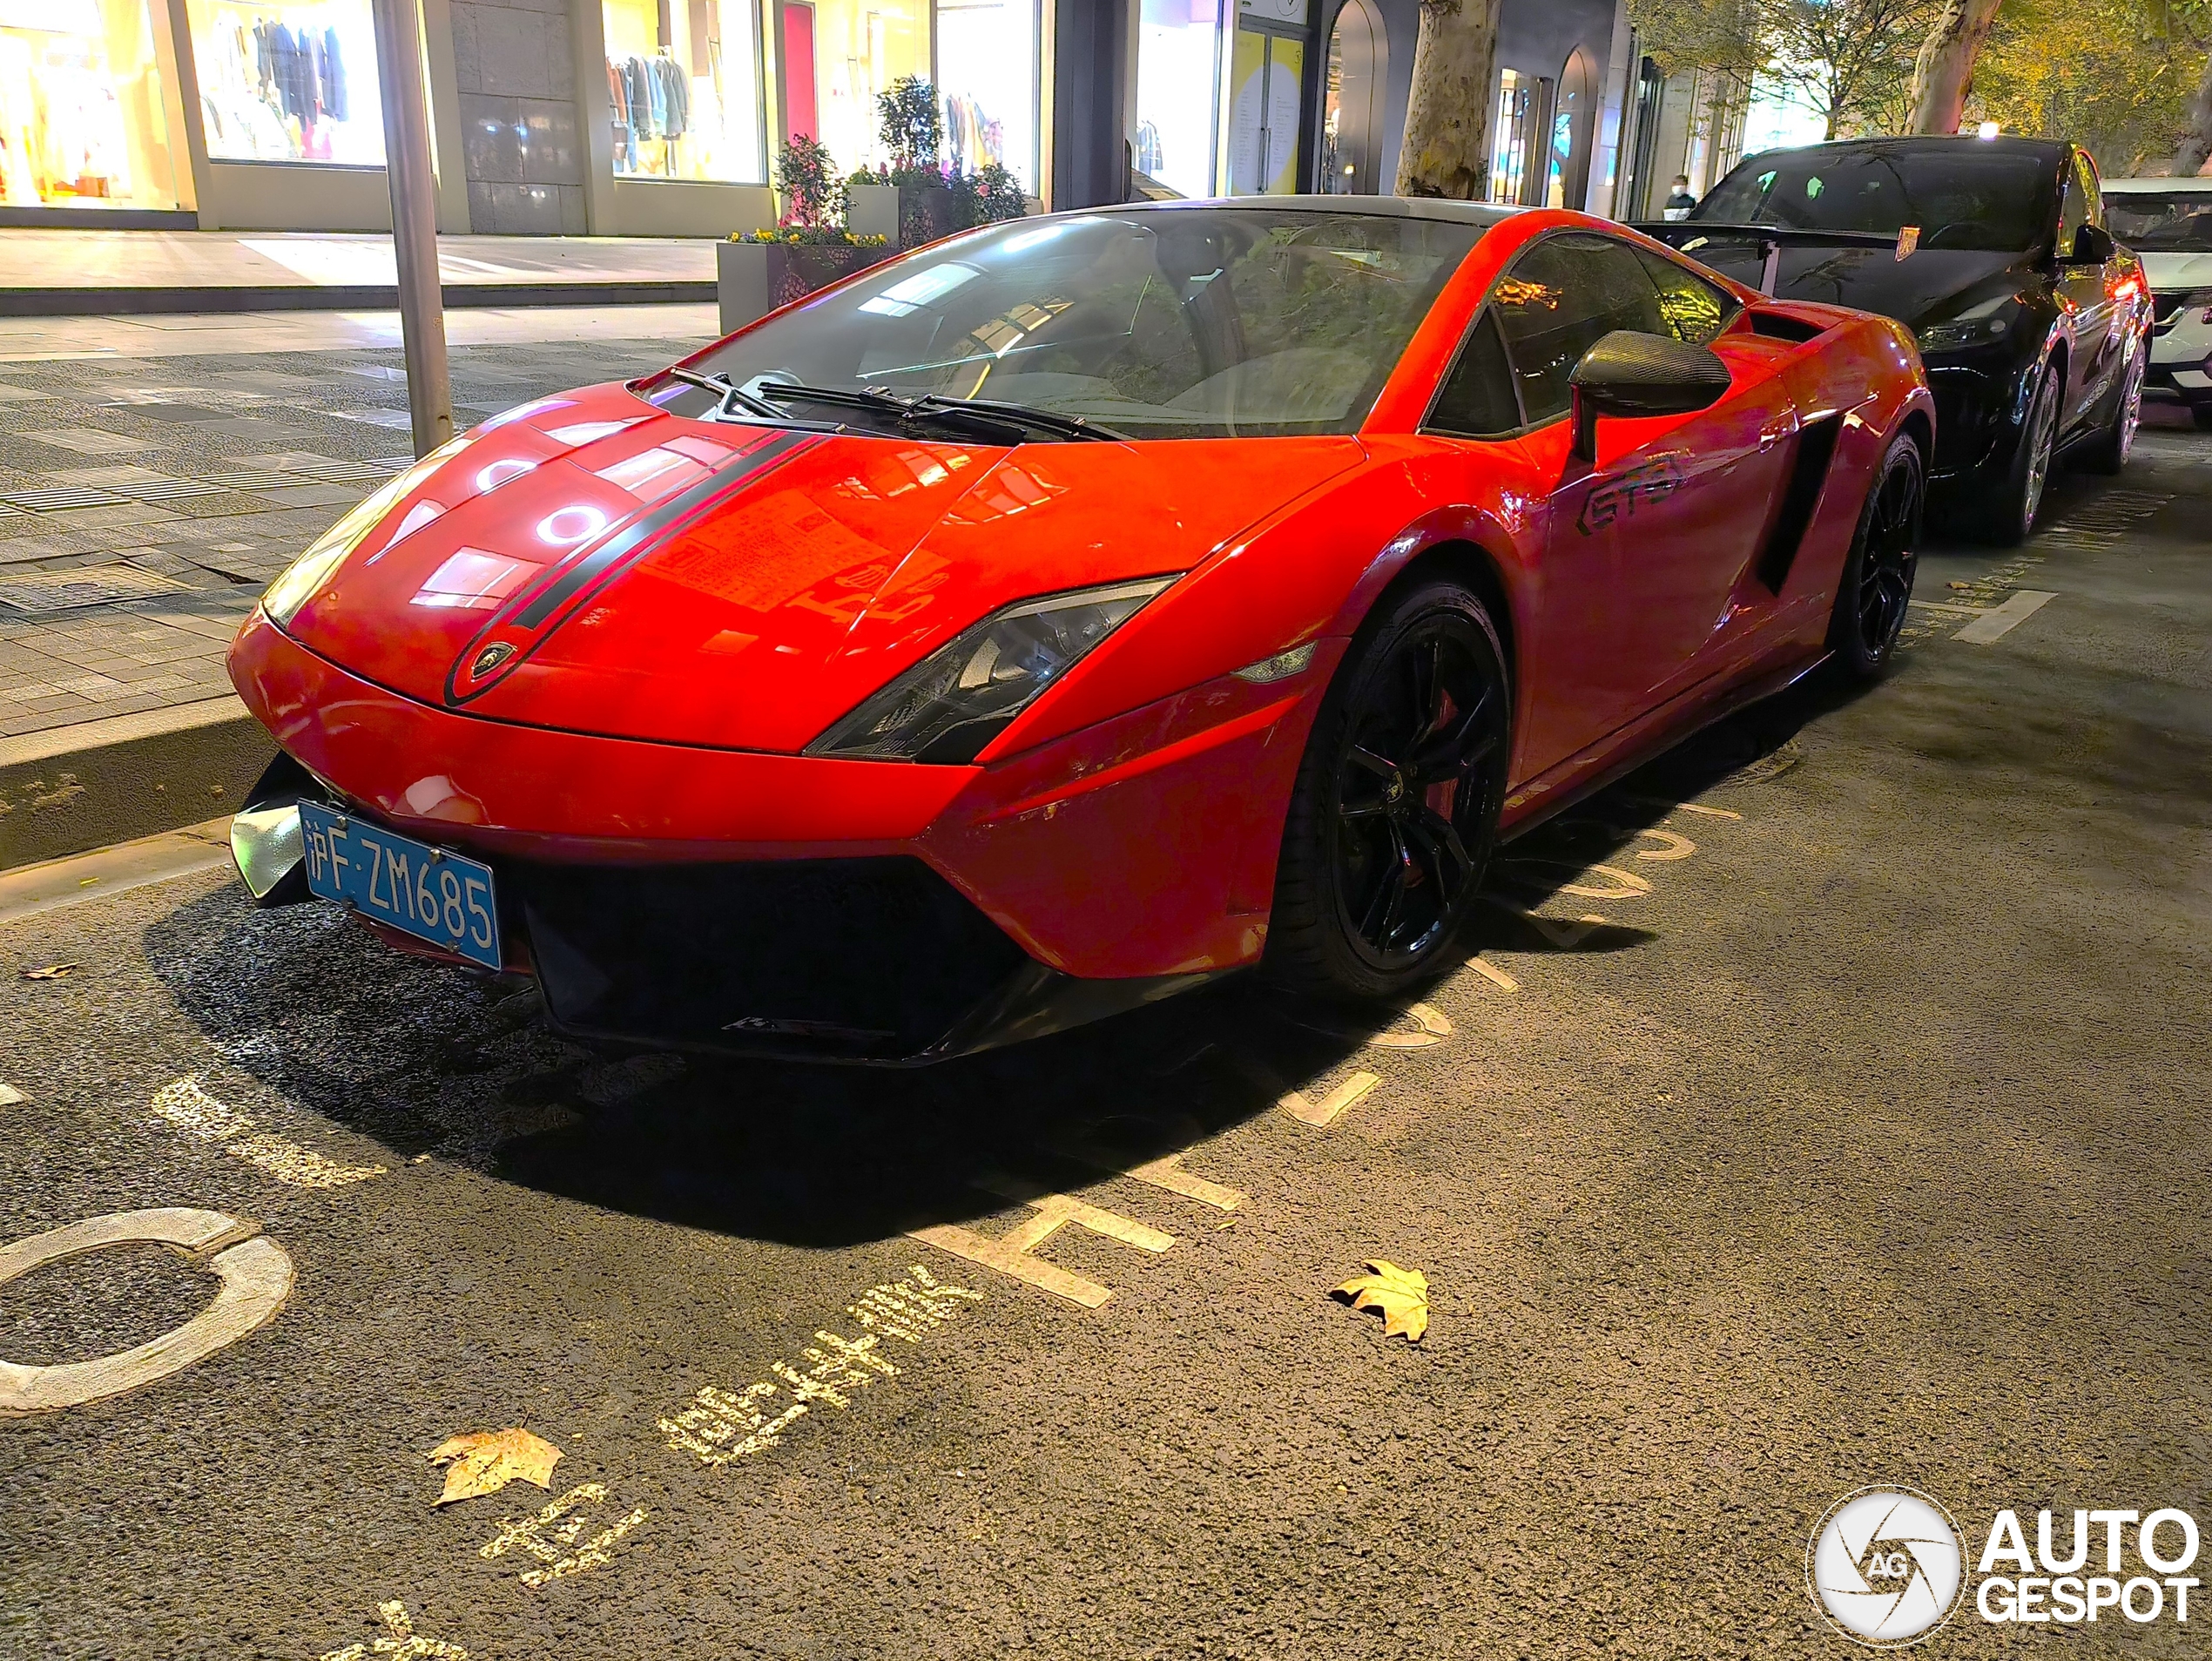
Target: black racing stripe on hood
(529, 628)
(643, 529)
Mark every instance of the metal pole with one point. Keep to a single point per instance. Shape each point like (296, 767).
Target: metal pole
(414, 222)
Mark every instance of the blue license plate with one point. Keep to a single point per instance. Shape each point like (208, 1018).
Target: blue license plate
(431, 893)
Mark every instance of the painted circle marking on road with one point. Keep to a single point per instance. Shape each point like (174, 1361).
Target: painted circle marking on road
(256, 1275)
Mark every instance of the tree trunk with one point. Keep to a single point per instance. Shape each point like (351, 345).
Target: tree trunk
(1944, 72)
(1446, 150)
(2196, 136)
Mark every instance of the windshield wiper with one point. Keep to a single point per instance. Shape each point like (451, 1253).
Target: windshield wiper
(1044, 420)
(735, 397)
(967, 412)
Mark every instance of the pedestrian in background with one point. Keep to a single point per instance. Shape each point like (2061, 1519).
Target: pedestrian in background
(1680, 201)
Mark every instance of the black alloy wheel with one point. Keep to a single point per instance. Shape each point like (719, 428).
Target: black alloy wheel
(2116, 440)
(1396, 800)
(1877, 582)
(2012, 516)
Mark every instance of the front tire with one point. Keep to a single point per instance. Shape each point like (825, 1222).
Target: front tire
(1877, 582)
(2013, 517)
(1396, 800)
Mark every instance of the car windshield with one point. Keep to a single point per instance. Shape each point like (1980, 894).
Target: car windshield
(1962, 195)
(2173, 222)
(1165, 323)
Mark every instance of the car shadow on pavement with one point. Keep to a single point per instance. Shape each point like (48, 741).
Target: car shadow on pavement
(439, 1062)
(433, 1061)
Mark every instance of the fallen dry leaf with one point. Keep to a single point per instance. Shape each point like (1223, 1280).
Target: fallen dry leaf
(51, 972)
(486, 1461)
(1401, 1294)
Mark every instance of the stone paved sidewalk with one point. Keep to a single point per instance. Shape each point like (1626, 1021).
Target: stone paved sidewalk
(145, 502)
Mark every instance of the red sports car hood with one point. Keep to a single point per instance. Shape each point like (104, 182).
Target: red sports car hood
(595, 565)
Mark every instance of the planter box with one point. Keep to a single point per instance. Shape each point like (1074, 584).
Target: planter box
(752, 279)
(873, 210)
(906, 216)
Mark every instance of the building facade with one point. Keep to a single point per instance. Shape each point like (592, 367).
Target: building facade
(665, 117)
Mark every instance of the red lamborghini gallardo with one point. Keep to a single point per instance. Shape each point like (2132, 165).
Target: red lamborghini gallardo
(1071, 612)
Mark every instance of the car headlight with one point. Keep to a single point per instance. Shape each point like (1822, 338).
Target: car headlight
(1985, 323)
(954, 701)
(303, 576)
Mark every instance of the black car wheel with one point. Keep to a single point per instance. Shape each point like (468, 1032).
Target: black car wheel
(2201, 415)
(1396, 800)
(1877, 582)
(2107, 452)
(2012, 516)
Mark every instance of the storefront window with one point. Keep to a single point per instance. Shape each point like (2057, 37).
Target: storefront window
(1509, 145)
(81, 120)
(837, 56)
(288, 81)
(987, 70)
(1179, 80)
(683, 79)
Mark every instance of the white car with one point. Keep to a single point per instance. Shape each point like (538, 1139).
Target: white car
(2169, 223)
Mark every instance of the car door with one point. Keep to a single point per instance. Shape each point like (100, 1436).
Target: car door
(2085, 295)
(1647, 547)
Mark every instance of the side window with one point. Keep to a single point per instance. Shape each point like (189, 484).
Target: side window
(2092, 192)
(1478, 399)
(1693, 309)
(2073, 210)
(1558, 300)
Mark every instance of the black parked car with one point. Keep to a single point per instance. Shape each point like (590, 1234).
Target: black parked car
(2033, 322)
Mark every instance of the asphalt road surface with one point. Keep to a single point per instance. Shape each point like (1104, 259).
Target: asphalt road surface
(1837, 1124)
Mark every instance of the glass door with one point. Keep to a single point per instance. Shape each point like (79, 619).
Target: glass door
(1266, 71)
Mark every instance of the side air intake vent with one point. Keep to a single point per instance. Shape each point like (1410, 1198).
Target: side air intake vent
(1815, 447)
(1780, 326)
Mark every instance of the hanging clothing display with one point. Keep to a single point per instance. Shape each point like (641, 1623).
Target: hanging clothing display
(683, 97)
(277, 80)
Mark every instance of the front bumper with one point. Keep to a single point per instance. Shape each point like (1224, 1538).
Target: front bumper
(867, 911)
(2176, 371)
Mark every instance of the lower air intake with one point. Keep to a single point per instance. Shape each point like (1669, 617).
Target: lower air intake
(866, 958)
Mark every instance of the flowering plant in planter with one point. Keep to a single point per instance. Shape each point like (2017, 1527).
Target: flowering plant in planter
(807, 236)
(935, 198)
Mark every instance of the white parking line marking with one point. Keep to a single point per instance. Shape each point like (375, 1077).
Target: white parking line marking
(1332, 1107)
(1298, 1104)
(1431, 1026)
(1496, 977)
(972, 1247)
(1166, 1172)
(1995, 626)
(11, 1097)
(256, 1275)
(1563, 934)
(1013, 1253)
(184, 1106)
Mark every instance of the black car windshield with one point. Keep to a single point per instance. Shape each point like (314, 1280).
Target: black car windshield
(2171, 221)
(1961, 195)
(1166, 323)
